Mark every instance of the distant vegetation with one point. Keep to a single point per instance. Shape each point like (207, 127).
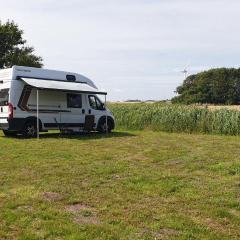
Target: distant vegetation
(176, 118)
(13, 48)
(216, 86)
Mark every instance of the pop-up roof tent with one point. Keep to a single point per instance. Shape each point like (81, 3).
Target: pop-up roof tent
(80, 87)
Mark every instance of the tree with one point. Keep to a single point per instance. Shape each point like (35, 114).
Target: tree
(13, 49)
(216, 86)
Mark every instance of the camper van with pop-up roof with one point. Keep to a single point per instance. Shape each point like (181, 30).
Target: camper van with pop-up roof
(34, 100)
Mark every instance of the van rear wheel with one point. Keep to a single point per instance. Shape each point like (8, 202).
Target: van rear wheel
(30, 130)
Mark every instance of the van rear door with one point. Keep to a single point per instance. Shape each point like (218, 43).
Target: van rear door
(4, 98)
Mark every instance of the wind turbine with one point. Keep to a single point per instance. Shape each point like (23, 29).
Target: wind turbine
(185, 71)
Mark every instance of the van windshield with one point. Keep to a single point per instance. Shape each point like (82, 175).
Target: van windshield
(4, 96)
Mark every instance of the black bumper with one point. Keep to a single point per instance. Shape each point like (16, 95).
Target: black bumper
(15, 124)
(4, 126)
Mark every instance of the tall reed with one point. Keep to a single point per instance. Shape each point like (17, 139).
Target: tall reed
(176, 118)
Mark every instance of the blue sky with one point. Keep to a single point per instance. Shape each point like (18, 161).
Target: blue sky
(134, 49)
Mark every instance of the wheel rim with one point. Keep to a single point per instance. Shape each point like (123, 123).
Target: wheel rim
(105, 127)
(30, 130)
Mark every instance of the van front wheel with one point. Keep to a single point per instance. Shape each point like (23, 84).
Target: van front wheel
(103, 126)
(30, 130)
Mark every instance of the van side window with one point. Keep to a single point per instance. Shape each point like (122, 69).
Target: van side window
(74, 100)
(95, 103)
(4, 95)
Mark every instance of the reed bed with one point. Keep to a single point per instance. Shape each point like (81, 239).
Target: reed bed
(176, 118)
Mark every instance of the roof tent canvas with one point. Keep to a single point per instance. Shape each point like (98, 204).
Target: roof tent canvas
(62, 85)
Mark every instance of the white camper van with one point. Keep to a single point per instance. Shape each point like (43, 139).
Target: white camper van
(35, 100)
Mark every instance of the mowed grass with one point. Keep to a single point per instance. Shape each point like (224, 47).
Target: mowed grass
(127, 185)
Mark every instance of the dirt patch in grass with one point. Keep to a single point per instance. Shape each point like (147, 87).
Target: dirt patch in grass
(234, 212)
(165, 233)
(161, 234)
(77, 207)
(213, 224)
(52, 196)
(25, 207)
(83, 214)
(87, 220)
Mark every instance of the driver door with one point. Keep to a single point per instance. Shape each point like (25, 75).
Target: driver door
(96, 107)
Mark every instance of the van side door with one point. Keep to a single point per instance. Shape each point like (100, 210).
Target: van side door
(75, 116)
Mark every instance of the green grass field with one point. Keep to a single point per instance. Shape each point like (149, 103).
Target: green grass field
(128, 185)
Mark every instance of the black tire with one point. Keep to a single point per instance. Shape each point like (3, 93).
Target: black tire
(9, 133)
(30, 130)
(102, 126)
